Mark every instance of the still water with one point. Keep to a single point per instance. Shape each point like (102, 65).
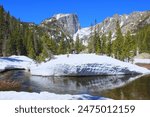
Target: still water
(115, 87)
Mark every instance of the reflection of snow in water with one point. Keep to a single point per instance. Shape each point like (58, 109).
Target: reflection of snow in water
(76, 85)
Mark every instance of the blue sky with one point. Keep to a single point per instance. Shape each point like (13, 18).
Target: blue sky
(87, 10)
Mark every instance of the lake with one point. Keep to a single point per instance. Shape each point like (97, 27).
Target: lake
(115, 87)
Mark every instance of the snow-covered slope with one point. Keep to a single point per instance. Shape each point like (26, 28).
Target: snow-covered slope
(86, 65)
(12, 95)
(83, 34)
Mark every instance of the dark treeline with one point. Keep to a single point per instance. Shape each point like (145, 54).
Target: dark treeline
(122, 47)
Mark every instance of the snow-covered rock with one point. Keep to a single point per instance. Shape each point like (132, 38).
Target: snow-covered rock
(12, 95)
(86, 65)
(15, 62)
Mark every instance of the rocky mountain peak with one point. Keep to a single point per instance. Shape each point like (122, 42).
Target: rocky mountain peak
(68, 22)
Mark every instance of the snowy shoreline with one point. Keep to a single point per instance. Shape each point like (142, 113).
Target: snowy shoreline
(12, 95)
(74, 65)
(62, 65)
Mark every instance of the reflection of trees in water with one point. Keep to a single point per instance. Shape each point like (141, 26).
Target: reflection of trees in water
(138, 89)
(116, 87)
(76, 85)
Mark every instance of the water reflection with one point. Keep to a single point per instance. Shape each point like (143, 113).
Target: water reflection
(115, 87)
(137, 90)
(77, 85)
(17, 80)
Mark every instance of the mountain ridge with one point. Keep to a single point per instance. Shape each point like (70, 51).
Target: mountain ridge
(128, 22)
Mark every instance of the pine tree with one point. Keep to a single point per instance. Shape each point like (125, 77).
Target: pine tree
(90, 41)
(128, 47)
(19, 38)
(117, 44)
(1, 28)
(98, 45)
(48, 49)
(143, 40)
(109, 44)
(78, 45)
(30, 46)
(97, 40)
(103, 45)
(94, 41)
(62, 47)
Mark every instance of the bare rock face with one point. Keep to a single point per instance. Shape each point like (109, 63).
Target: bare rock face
(131, 22)
(69, 23)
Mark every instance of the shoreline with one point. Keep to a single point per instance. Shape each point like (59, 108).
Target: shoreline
(145, 65)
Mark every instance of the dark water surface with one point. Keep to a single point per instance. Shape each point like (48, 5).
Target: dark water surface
(115, 87)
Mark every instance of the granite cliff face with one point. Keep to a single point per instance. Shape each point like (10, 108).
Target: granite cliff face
(69, 23)
(131, 22)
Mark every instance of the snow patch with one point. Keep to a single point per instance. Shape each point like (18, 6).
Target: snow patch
(12, 95)
(58, 16)
(82, 32)
(146, 61)
(121, 24)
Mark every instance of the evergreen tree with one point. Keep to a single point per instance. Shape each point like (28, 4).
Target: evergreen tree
(97, 40)
(109, 44)
(143, 40)
(117, 44)
(1, 28)
(30, 47)
(98, 45)
(128, 47)
(94, 42)
(78, 45)
(62, 47)
(90, 41)
(19, 38)
(48, 47)
(103, 45)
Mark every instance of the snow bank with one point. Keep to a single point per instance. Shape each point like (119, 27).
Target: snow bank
(74, 65)
(86, 65)
(145, 61)
(12, 95)
(16, 62)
